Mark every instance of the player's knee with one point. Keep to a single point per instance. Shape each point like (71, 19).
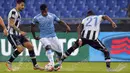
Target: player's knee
(30, 47)
(76, 44)
(48, 47)
(20, 48)
(105, 51)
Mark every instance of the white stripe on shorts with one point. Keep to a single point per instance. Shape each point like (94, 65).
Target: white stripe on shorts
(100, 43)
(13, 40)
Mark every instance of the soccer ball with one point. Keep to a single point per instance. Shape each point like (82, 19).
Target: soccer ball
(49, 67)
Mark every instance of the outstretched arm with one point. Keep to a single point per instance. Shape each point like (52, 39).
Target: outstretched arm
(63, 23)
(110, 20)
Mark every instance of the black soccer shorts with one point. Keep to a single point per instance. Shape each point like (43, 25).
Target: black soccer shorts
(97, 44)
(16, 40)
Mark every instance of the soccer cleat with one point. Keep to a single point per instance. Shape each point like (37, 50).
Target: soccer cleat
(9, 65)
(57, 67)
(37, 67)
(110, 70)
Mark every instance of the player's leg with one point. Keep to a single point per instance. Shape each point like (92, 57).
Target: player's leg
(71, 49)
(30, 48)
(75, 46)
(66, 54)
(97, 44)
(14, 56)
(58, 56)
(56, 46)
(58, 49)
(18, 49)
(48, 49)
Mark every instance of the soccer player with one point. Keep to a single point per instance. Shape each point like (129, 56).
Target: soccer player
(45, 21)
(88, 32)
(3, 26)
(17, 37)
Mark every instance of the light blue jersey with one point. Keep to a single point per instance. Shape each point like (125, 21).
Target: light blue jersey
(46, 24)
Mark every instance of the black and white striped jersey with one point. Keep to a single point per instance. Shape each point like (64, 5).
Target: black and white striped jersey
(91, 27)
(17, 17)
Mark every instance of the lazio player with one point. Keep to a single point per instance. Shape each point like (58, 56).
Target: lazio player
(45, 21)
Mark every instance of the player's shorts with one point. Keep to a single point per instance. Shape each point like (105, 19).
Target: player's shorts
(16, 40)
(97, 44)
(53, 42)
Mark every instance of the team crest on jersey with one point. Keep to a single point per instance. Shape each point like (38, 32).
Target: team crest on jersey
(118, 45)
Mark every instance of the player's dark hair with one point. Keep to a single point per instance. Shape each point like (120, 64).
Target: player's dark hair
(19, 1)
(90, 12)
(43, 7)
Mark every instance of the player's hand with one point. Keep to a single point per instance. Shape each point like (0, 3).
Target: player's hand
(114, 25)
(5, 32)
(80, 42)
(23, 33)
(37, 38)
(68, 29)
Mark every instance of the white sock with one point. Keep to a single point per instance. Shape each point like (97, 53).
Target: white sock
(50, 55)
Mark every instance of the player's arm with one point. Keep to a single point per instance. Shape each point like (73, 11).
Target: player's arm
(105, 17)
(33, 31)
(33, 26)
(3, 26)
(2, 23)
(63, 23)
(12, 23)
(79, 29)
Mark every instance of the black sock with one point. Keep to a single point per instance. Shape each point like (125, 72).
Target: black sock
(107, 55)
(33, 57)
(108, 64)
(14, 55)
(107, 58)
(69, 51)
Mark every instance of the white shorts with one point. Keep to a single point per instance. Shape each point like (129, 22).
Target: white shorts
(53, 42)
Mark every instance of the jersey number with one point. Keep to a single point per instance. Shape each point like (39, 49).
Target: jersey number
(90, 19)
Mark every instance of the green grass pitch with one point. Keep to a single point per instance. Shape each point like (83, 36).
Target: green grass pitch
(69, 67)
